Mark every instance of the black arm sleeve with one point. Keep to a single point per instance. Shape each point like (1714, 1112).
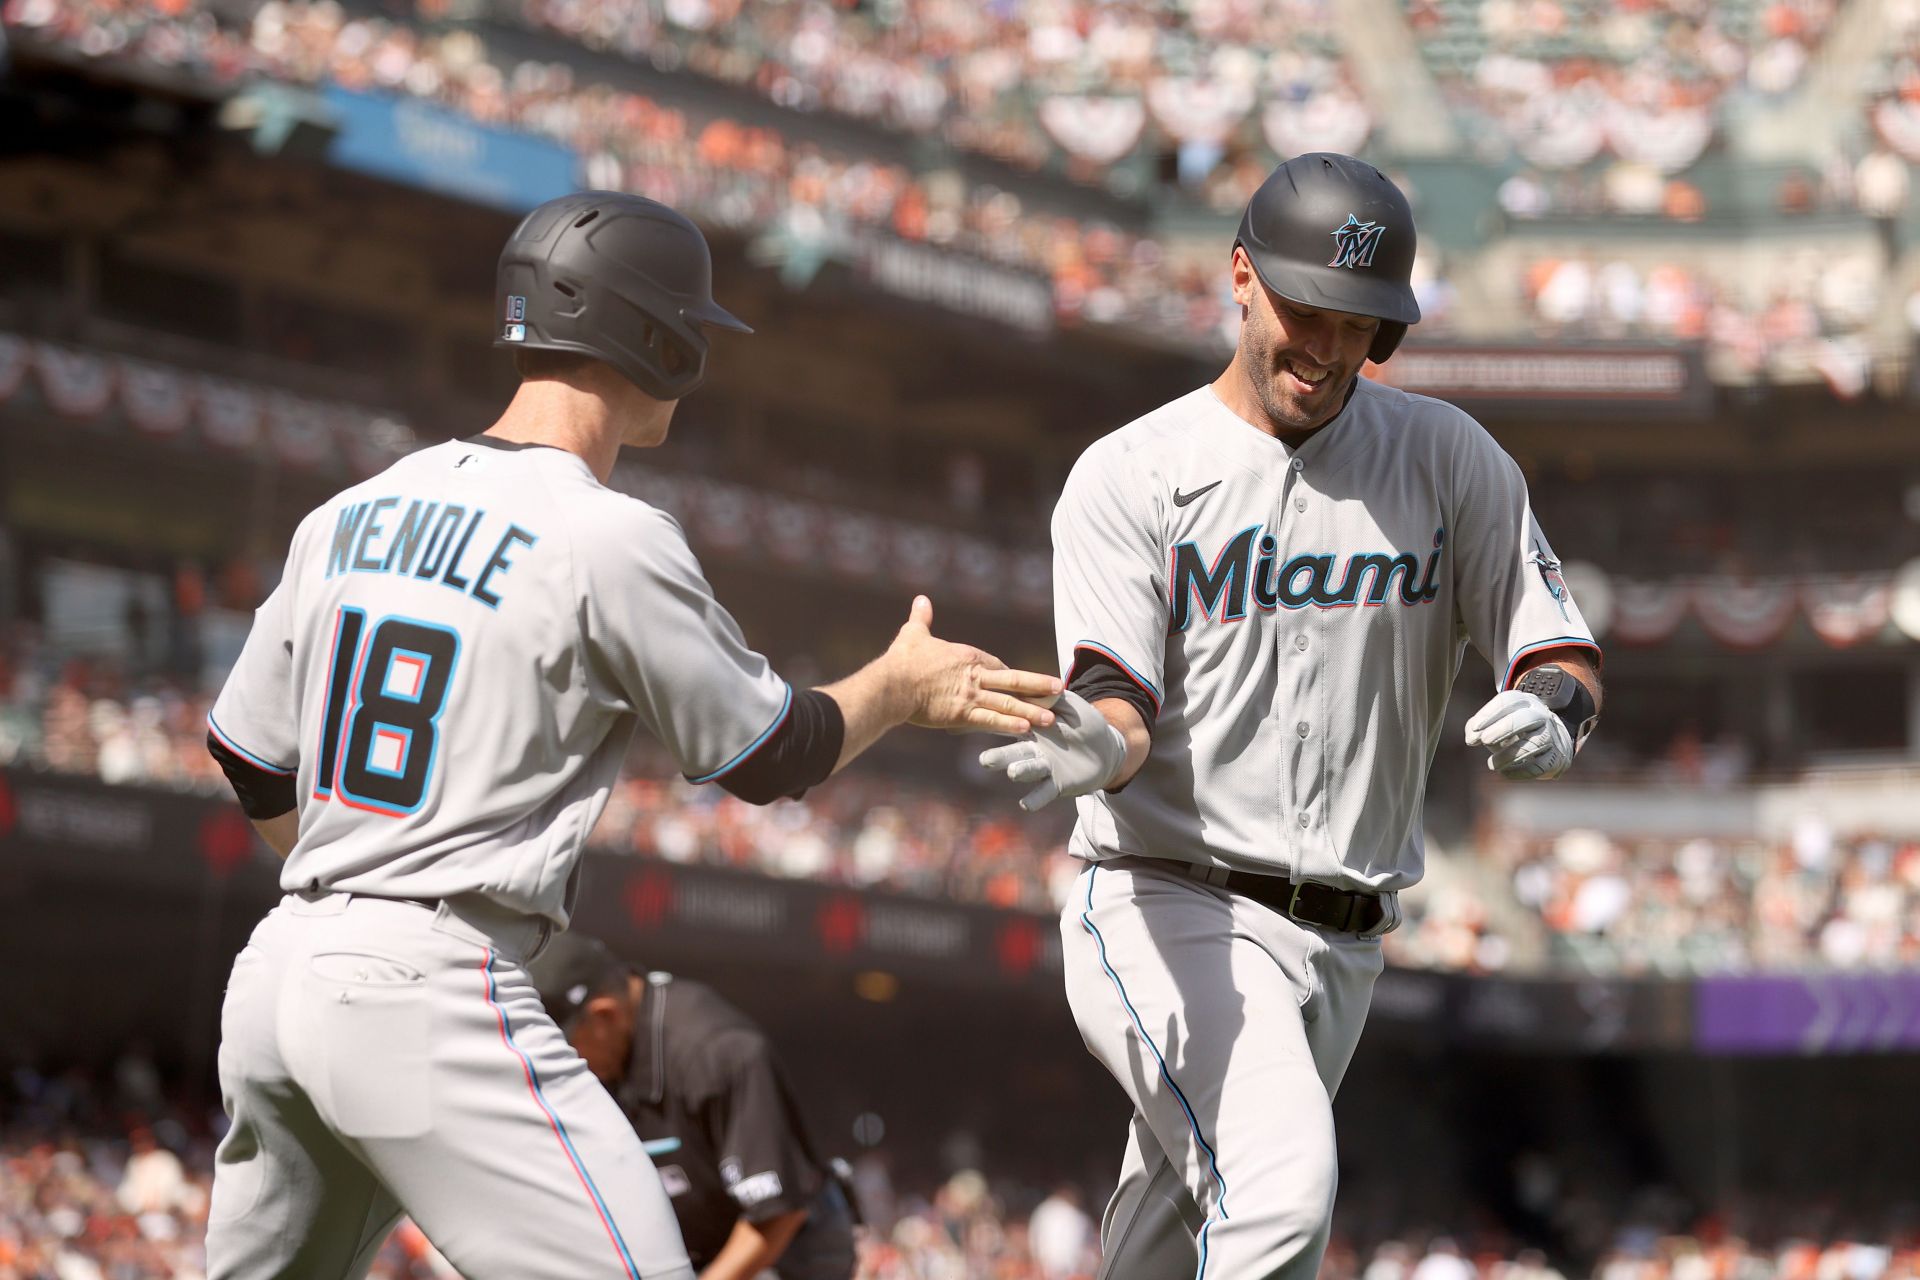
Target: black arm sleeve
(1096, 676)
(800, 754)
(262, 794)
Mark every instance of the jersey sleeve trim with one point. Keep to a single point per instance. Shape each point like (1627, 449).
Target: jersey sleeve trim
(1146, 685)
(786, 706)
(226, 740)
(1558, 642)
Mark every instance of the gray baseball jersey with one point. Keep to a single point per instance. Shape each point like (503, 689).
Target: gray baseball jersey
(455, 660)
(1298, 616)
(452, 667)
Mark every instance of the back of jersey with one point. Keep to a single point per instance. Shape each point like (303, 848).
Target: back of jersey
(420, 672)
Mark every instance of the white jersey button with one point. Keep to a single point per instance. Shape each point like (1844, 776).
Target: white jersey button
(1298, 465)
(1300, 642)
(1305, 821)
(1299, 504)
(1301, 728)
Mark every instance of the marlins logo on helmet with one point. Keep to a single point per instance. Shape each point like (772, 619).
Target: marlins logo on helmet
(1354, 243)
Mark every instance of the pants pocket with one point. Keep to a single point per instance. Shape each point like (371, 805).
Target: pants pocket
(374, 1024)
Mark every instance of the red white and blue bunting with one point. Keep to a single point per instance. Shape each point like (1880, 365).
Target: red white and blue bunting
(170, 403)
(727, 519)
(1843, 610)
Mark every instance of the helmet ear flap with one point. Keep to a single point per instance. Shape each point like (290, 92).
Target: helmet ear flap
(1385, 339)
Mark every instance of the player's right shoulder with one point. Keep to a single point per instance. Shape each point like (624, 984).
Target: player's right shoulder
(613, 532)
(1133, 453)
(1164, 427)
(595, 508)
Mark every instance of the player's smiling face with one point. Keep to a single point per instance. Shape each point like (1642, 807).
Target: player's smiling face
(1298, 360)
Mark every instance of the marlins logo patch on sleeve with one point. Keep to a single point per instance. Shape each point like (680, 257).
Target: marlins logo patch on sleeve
(1549, 569)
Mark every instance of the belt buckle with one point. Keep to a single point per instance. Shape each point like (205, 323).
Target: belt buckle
(1293, 900)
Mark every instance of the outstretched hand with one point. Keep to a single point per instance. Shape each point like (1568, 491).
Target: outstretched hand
(958, 687)
(1082, 753)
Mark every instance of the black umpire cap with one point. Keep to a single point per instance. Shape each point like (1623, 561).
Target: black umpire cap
(573, 970)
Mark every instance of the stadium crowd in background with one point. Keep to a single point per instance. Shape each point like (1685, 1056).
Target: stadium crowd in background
(722, 171)
(1812, 901)
(1707, 905)
(1558, 82)
(1024, 83)
(109, 1180)
(807, 199)
(1809, 311)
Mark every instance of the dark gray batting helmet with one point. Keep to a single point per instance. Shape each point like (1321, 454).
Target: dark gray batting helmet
(1329, 231)
(620, 278)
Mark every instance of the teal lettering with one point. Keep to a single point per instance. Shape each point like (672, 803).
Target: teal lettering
(1225, 580)
(344, 530)
(442, 539)
(370, 531)
(406, 539)
(498, 561)
(450, 578)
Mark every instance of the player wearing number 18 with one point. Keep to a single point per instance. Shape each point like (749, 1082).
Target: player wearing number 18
(425, 722)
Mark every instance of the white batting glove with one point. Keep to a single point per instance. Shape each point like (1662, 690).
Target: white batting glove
(1079, 753)
(1526, 741)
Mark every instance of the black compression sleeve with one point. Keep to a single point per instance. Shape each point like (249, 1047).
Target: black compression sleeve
(262, 794)
(1095, 676)
(801, 753)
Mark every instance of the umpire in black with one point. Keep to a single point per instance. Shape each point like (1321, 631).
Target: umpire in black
(698, 1080)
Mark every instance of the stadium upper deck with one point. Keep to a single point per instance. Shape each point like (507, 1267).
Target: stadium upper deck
(1762, 314)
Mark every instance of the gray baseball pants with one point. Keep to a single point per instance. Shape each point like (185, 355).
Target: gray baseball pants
(1229, 1025)
(379, 1057)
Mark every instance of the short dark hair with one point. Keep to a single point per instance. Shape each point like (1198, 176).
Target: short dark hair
(533, 362)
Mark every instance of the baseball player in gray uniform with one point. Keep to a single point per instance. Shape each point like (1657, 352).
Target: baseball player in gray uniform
(1263, 593)
(426, 720)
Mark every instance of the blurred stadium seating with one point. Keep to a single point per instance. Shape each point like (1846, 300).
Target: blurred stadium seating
(109, 1176)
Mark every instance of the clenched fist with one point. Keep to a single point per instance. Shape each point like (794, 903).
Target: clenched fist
(1524, 739)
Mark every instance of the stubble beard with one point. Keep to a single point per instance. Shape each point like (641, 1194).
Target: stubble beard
(1283, 411)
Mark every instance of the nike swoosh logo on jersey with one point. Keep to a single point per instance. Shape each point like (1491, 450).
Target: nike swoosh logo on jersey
(1182, 499)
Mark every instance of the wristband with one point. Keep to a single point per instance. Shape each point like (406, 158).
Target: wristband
(1565, 696)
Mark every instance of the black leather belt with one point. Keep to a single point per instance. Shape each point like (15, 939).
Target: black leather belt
(431, 904)
(1341, 910)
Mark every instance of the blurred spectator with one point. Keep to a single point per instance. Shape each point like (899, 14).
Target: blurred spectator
(1704, 905)
(155, 1182)
(1065, 1241)
(1788, 322)
(1708, 905)
(62, 1158)
(1563, 84)
(1022, 83)
(731, 175)
(88, 716)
